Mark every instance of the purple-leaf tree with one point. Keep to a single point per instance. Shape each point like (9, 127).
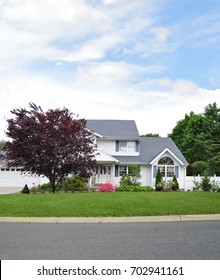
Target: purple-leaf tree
(54, 143)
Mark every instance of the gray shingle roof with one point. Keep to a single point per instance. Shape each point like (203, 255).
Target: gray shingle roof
(114, 129)
(150, 148)
(2, 155)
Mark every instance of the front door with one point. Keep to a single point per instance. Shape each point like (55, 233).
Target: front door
(103, 174)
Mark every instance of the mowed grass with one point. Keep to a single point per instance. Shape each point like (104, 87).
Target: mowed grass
(109, 204)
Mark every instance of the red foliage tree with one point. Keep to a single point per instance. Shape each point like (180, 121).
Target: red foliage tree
(53, 143)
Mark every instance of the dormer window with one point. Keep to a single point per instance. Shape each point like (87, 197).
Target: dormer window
(127, 146)
(131, 146)
(123, 146)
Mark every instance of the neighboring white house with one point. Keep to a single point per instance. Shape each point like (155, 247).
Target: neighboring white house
(119, 145)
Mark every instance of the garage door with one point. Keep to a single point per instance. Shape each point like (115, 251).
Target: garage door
(12, 177)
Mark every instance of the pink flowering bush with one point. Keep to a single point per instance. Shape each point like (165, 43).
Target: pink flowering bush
(107, 187)
(170, 185)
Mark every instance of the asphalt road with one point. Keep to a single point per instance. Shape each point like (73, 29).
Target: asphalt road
(152, 241)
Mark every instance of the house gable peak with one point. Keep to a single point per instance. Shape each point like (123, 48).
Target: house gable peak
(114, 129)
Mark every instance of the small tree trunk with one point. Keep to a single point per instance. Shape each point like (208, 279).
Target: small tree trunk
(53, 184)
(53, 188)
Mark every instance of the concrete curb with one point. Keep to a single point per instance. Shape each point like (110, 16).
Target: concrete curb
(107, 220)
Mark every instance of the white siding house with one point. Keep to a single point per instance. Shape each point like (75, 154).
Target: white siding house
(119, 145)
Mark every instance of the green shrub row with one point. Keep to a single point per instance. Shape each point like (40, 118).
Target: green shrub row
(71, 184)
(134, 189)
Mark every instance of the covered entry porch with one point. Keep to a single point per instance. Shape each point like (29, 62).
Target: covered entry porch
(105, 171)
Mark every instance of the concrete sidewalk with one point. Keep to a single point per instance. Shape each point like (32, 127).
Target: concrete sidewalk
(106, 220)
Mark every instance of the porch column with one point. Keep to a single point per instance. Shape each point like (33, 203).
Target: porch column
(112, 174)
(98, 175)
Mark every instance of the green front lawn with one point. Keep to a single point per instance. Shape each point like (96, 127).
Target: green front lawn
(109, 204)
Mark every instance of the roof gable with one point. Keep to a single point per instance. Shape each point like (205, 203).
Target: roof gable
(114, 129)
(169, 152)
(103, 156)
(151, 148)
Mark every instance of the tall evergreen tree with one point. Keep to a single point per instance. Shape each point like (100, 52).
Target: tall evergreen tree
(159, 179)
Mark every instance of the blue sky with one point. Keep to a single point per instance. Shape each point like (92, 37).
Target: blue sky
(147, 60)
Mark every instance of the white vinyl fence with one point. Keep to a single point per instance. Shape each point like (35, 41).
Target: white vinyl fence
(189, 181)
(13, 178)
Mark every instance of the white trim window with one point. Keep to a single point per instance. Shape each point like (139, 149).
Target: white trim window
(123, 146)
(123, 170)
(167, 167)
(127, 146)
(131, 146)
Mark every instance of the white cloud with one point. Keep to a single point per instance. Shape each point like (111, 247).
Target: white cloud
(20, 48)
(74, 31)
(41, 29)
(206, 27)
(108, 91)
(104, 75)
(112, 2)
(184, 88)
(57, 17)
(94, 49)
(103, 50)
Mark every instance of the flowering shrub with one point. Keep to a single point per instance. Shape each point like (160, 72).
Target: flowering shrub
(160, 186)
(170, 185)
(107, 187)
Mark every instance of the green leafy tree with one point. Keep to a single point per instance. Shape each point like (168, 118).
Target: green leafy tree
(197, 136)
(2, 144)
(150, 135)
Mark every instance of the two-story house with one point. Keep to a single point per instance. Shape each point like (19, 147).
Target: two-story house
(120, 145)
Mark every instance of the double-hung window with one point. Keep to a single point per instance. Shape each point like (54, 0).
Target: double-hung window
(131, 146)
(123, 146)
(123, 170)
(127, 146)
